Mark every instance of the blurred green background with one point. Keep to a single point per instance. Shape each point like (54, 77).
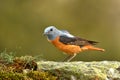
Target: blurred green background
(22, 23)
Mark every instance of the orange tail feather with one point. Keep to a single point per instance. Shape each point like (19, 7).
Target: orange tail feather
(90, 47)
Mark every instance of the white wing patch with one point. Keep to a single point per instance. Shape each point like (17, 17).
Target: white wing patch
(65, 32)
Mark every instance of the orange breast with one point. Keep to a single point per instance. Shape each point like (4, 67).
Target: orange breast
(70, 49)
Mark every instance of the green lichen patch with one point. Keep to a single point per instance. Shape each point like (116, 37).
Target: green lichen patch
(101, 70)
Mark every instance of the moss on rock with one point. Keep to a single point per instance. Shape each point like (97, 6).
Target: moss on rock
(21, 68)
(36, 75)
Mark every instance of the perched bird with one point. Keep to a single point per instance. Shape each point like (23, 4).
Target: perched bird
(68, 43)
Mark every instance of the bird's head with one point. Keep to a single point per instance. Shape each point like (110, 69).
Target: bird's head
(52, 32)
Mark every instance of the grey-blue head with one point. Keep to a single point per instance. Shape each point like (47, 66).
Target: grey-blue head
(52, 32)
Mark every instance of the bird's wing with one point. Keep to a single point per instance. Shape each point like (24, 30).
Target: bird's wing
(76, 41)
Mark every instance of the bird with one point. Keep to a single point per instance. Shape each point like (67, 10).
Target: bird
(68, 43)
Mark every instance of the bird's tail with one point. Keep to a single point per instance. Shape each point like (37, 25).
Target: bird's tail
(90, 47)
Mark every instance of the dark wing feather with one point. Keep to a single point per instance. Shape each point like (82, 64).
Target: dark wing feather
(76, 41)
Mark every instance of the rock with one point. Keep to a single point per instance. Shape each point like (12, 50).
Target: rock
(96, 70)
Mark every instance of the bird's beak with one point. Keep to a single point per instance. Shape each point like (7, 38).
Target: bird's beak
(45, 33)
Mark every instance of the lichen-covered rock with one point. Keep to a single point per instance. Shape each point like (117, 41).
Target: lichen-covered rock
(103, 70)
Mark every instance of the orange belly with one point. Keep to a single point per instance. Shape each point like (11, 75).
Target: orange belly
(70, 49)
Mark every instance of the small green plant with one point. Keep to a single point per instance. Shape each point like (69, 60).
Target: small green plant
(7, 57)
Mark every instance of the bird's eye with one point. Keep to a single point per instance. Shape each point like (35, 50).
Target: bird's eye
(51, 29)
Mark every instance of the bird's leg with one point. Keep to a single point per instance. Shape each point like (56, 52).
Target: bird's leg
(69, 58)
(66, 58)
